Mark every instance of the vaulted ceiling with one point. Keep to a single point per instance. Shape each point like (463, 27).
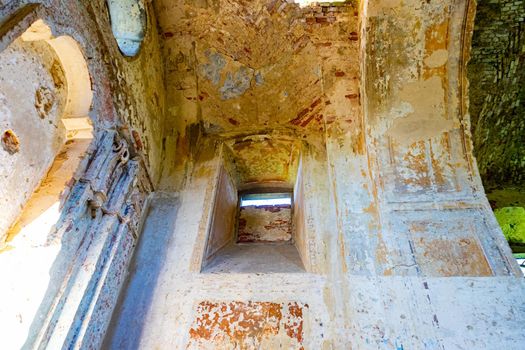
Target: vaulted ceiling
(246, 66)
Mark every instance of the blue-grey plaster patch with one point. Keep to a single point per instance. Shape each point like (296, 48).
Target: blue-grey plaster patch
(236, 84)
(212, 70)
(259, 79)
(128, 23)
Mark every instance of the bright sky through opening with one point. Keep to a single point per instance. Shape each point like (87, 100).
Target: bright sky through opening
(268, 201)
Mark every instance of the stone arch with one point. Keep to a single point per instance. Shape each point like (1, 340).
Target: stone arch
(496, 74)
(45, 101)
(420, 145)
(128, 23)
(47, 134)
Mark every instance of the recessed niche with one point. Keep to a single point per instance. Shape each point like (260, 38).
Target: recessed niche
(252, 227)
(128, 23)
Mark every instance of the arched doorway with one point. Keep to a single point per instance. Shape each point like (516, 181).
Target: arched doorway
(45, 99)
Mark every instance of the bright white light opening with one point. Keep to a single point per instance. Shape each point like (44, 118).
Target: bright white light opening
(521, 262)
(304, 3)
(266, 199)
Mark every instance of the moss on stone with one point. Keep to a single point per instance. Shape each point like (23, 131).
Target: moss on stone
(512, 222)
(506, 197)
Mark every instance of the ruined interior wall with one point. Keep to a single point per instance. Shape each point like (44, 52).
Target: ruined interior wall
(382, 188)
(221, 79)
(136, 105)
(222, 227)
(236, 300)
(89, 248)
(32, 108)
(387, 186)
(139, 88)
(420, 147)
(299, 215)
(314, 215)
(496, 73)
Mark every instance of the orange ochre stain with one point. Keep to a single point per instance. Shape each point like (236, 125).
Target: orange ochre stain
(446, 257)
(246, 323)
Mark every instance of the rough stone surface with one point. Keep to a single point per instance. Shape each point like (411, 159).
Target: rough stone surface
(497, 92)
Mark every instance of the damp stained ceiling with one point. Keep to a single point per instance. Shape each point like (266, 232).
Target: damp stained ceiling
(243, 67)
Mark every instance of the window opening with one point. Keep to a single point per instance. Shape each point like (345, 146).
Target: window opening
(262, 239)
(265, 218)
(266, 199)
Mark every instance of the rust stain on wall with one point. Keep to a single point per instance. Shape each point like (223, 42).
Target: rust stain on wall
(442, 249)
(443, 257)
(436, 51)
(247, 325)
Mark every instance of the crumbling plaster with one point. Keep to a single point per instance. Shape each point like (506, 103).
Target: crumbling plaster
(85, 254)
(399, 245)
(32, 110)
(271, 68)
(270, 223)
(395, 223)
(128, 91)
(423, 185)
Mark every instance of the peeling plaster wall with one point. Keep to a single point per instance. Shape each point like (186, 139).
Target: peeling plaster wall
(367, 101)
(88, 250)
(194, 296)
(136, 105)
(420, 147)
(138, 83)
(391, 204)
(221, 78)
(264, 158)
(222, 226)
(32, 109)
(260, 324)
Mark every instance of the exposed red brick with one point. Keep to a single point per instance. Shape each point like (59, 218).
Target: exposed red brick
(233, 121)
(315, 103)
(136, 138)
(244, 323)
